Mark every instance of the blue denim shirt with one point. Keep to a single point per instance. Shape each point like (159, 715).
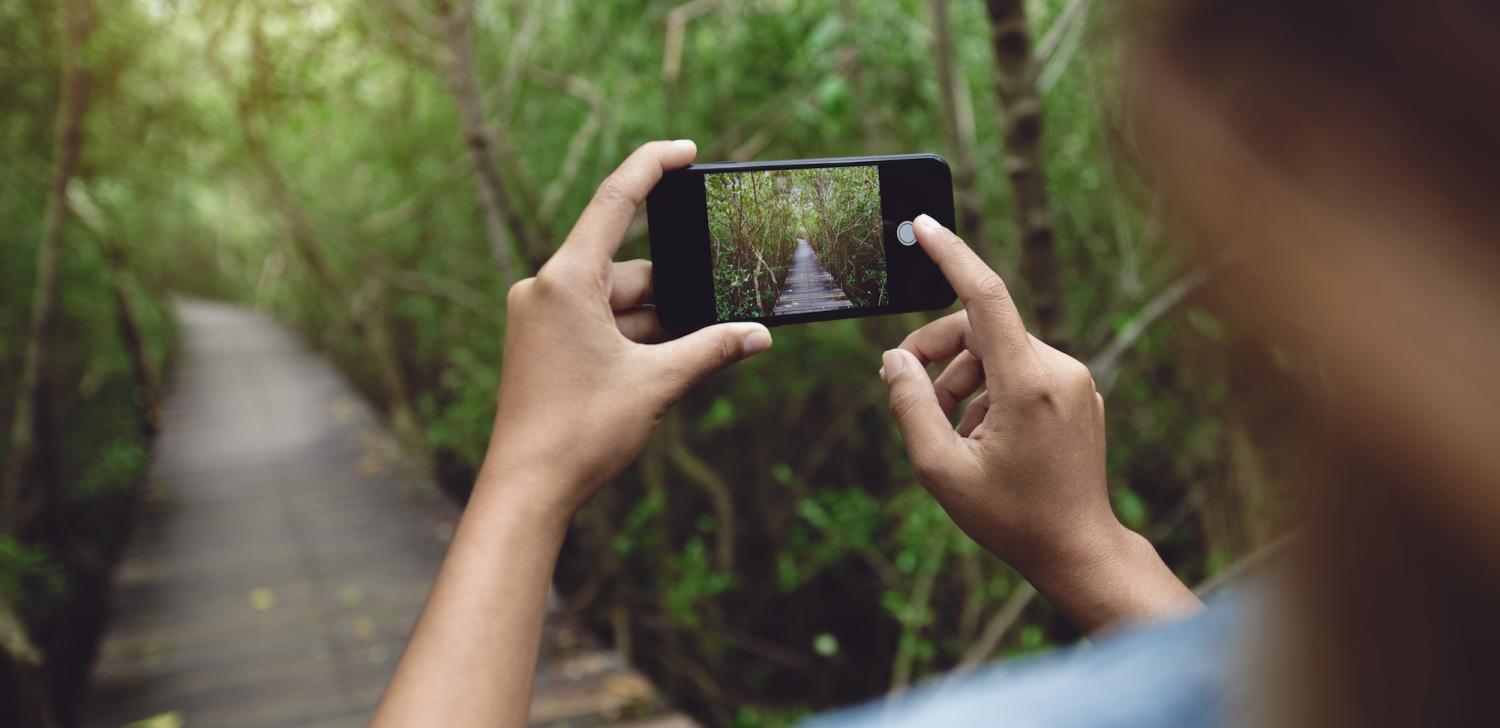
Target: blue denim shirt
(1171, 675)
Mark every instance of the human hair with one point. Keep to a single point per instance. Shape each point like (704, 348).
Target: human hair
(1397, 611)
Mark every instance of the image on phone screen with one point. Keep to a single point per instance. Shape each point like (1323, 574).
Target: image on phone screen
(790, 241)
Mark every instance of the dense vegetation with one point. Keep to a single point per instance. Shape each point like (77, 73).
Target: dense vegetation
(84, 340)
(755, 220)
(377, 174)
(844, 230)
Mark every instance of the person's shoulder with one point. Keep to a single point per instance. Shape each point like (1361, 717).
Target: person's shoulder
(1165, 675)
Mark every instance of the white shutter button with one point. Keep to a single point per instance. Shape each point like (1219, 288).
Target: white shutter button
(905, 234)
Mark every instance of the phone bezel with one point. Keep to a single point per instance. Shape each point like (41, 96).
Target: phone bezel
(910, 184)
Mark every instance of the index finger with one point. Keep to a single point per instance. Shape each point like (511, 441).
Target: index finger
(996, 324)
(600, 229)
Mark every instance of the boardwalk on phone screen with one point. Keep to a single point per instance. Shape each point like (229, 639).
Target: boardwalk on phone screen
(809, 287)
(284, 548)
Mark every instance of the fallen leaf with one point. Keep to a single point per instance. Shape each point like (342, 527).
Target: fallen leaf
(629, 686)
(169, 719)
(364, 627)
(262, 599)
(369, 464)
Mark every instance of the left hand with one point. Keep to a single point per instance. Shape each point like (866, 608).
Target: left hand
(582, 384)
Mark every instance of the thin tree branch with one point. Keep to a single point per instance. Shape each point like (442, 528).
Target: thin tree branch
(567, 171)
(1236, 571)
(527, 31)
(1072, 16)
(1106, 365)
(921, 598)
(822, 447)
(420, 18)
(126, 320)
(449, 290)
(720, 494)
(1057, 65)
(958, 125)
(996, 629)
(677, 20)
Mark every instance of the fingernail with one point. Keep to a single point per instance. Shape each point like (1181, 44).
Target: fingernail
(893, 362)
(689, 143)
(756, 342)
(925, 221)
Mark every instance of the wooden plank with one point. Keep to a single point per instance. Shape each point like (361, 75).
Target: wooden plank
(809, 287)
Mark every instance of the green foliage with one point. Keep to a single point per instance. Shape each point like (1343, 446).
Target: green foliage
(844, 230)
(754, 220)
(91, 440)
(28, 578)
(223, 131)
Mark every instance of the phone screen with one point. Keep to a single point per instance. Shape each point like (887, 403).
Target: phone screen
(795, 241)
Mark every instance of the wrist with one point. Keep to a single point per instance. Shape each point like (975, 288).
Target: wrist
(1109, 577)
(539, 493)
(1078, 556)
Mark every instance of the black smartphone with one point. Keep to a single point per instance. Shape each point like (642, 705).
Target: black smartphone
(796, 241)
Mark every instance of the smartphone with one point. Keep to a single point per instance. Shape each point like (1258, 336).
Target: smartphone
(796, 241)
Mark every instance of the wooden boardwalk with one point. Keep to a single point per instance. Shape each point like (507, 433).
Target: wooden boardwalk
(283, 552)
(808, 286)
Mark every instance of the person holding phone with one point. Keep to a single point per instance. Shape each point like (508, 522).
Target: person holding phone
(1350, 154)
(584, 385)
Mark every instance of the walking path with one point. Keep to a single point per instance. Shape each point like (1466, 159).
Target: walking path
(808, 286)
(283, 552)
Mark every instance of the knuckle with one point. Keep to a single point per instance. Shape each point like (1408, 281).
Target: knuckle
(548, 281)
(616, 188)
(991, 288)
(1079, 376)
(560, 276)
(1037, 395)
(520, 292)
(727, 349)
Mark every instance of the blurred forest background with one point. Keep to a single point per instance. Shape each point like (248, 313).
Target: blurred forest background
(377, 174)
(756, 218)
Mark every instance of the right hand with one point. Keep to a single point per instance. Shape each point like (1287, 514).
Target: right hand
(1023, 472)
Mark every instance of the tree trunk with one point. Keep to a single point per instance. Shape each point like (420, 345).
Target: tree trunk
(129, 326)
(77, 21)
(1021, 116)
(500, 215)
(958, 127)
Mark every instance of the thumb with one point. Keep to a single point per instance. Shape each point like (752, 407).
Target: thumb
(710, 349)
(914, 404)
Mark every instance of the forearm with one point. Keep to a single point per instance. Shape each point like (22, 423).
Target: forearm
(1115, 579)
(472, 656)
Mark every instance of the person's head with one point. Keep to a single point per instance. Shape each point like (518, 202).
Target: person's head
(1345, 155)
(1348, 155)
